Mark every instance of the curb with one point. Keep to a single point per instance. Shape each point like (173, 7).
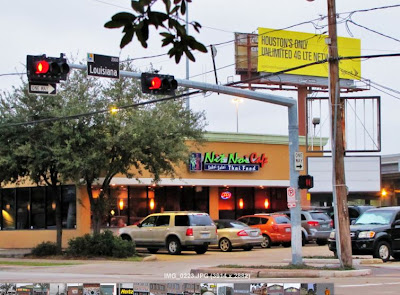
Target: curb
(356, 261)
(216, 272)
(150, 258)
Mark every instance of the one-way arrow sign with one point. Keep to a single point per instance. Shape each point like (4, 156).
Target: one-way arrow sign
(298, 161)
(42, 88)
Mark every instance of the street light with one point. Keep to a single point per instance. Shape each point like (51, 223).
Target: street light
(237, 101)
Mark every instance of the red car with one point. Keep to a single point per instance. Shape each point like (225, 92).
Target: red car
(275, 228)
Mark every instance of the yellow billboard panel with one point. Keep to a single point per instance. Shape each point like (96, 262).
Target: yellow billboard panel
(280, 50)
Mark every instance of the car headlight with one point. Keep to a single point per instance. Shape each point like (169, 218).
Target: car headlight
(332, 235)
(366, 235)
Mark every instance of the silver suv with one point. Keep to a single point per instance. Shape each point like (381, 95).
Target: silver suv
(316, 225)
(176, 231)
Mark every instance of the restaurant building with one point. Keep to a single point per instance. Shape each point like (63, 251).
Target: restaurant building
(229, 175)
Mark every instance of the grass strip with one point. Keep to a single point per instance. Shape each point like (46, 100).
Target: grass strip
(37, 263)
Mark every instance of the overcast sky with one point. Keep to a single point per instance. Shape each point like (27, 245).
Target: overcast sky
(75, 27)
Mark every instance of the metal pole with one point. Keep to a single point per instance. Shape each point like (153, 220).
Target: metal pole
(294, 175)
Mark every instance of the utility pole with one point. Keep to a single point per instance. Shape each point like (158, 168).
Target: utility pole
(339, 190)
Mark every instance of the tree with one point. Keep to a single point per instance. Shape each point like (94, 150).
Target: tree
(26, 150)
(107, 144)
(174, 33)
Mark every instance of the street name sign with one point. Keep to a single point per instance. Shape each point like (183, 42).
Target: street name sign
(298, 161)
(42, 88)
(102, 66)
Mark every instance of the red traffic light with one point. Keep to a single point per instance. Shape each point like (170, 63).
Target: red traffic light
(155, 83)
(158, 84)
(41, 67)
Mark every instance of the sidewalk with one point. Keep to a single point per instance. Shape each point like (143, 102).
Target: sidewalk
(14, 253)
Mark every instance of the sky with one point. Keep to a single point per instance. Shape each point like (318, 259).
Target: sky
(76, 27)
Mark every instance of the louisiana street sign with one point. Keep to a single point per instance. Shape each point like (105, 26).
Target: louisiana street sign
(102, 66)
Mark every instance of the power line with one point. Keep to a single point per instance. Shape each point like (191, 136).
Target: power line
(87, 114)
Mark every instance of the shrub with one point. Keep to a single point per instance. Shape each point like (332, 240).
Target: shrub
(103, 245)
(45, 249)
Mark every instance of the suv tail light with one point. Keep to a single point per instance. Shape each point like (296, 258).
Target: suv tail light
(189, 232)
(313, 223)
(242, 233)
(331, 223)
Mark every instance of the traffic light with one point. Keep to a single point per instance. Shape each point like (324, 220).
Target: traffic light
(158, 84)
(306, 182)
(40, 68)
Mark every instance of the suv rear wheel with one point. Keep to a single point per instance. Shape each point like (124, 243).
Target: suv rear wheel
(201, 249)
(174, 246)
(321, 242)
(382, 251)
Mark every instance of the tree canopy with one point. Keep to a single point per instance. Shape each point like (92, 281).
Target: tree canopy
(95, 146)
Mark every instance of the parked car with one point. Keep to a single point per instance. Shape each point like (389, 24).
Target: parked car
(356, 210)
(376, 232)
(236, 234)
(316, 226)
(275, 228)
(176, 231)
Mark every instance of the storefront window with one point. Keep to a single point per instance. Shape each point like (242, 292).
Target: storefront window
(34, 207)
(8, 209)
(119, 197)
(38, 197)
(137, 204)
(227, 200)
(235, 202)
(23, 208)
(68, 206)
(51, 208)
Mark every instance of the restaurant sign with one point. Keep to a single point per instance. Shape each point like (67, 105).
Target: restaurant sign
(227, 162)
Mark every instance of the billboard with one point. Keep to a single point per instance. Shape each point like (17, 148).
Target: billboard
(363, 174)
(280, 50)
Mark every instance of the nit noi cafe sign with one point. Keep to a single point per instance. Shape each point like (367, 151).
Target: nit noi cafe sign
(229, 162)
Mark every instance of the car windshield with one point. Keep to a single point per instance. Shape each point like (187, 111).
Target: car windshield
(281, 219)
(200, 219)
(319, 216)
(375, 217)
(237, 224)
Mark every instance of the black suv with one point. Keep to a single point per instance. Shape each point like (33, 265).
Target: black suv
(376, 232)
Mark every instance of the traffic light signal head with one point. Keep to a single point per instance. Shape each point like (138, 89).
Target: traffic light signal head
(158, 84)
(306, 182)
(40, 68)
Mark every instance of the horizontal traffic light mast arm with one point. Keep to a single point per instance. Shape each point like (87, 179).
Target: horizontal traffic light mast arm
(260, 96)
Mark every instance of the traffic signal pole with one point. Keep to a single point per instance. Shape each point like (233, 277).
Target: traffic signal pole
(291, 104)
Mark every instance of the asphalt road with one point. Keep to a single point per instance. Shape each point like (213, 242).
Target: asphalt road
(385, 278)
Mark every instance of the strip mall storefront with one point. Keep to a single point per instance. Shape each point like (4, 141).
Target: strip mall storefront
(228, 176)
